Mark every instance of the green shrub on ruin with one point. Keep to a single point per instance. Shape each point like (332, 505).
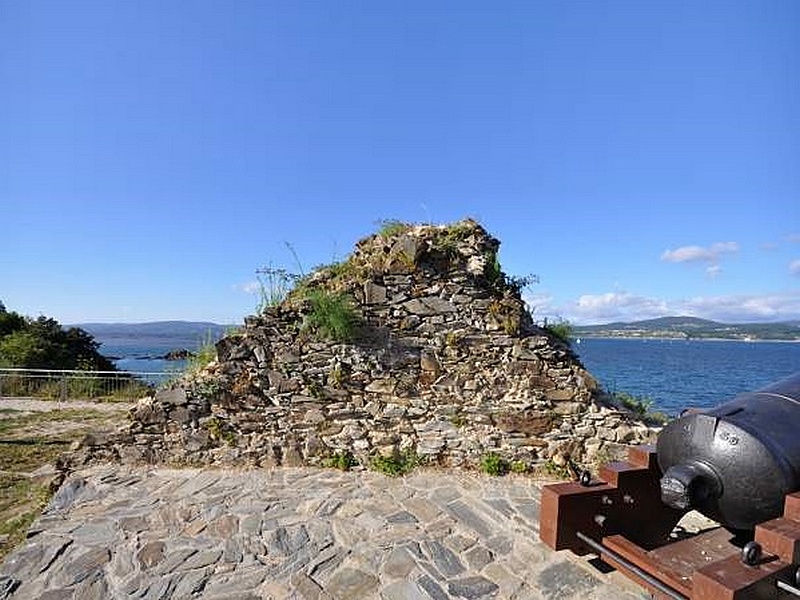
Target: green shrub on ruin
(332, 316)
(342, 460)
(493, 464)
(395, 465)
(561, 329)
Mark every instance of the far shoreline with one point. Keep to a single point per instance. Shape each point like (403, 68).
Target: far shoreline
(683, 339)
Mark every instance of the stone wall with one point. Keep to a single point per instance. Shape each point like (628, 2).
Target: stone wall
(446, 362)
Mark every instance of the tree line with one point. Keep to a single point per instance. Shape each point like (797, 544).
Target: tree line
(42, 343)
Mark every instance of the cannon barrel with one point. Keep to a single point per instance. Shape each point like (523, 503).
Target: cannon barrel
(735, 462)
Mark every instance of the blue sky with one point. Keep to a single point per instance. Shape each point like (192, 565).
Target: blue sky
(643, 158)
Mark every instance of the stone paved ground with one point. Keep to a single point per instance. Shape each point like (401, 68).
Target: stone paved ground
(123, 532)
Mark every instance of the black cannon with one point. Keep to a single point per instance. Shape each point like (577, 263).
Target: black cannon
(738, 464)
(735, 463)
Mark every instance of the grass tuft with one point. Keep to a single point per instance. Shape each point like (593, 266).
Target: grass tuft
(494, 464)
(396, 464)
(332, 315)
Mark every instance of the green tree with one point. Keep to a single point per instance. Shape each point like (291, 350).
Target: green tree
(10, 321)
(43, 343)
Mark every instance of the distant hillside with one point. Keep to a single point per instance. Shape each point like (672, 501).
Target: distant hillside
(154, 329)
(152, 340)
(693, 328)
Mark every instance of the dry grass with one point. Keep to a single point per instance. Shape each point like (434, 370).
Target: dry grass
(29, 441)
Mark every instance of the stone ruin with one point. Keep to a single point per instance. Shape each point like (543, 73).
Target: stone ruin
(445, 361)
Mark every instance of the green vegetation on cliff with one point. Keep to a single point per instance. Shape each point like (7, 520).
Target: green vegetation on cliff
(42, 343)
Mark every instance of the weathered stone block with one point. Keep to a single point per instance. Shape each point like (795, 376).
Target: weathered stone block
(374, 293)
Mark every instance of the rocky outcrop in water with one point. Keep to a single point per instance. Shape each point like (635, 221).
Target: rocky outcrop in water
(442, 360)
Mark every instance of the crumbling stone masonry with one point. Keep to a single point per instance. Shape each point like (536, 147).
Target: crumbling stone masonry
(446, 362)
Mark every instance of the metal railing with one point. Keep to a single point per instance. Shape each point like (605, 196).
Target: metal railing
(59, 384)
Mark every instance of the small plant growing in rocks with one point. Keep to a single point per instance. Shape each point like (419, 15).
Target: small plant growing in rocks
(458, 420)
(332, 315)
(639, 406)
(338, 376)
(396, 464)
(493, 464)
(273, 286)
(560, 471)
(561, 329)
(219, 432)
(519, 467)
(392, 227)
(342, 460)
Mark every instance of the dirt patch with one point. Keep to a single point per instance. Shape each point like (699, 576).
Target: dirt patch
(33, 434)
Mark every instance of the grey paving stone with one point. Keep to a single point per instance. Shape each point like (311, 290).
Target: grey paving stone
(478, 557)
(501, 545)
(59, 594)
(348, 583)
(92, 588)
(134, 524)
(232, 551)
(158, 589)
(329, 507)
(432, 588)
(473, 588)
(174, 559)
(326, 561)
(530, 510)
(285, 541)
(402, 517)
(73, 490)
(81, 567)
(398, 564)
(237, 584)
(251, 523)
(564, 580)
(404, 590)
(35, 557)
(307, 588)
(422, 508)
(151, 554)
(510, 586)
(196, 484)
(201, 559)
(224, 527)
(444, 559)
(502, 506)
(465, 515)
(96, 533)
(460, 543)
(190, 583)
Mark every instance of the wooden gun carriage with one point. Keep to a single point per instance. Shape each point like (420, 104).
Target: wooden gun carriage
(738, 464)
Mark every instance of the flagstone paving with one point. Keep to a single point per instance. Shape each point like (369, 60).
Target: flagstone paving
(307, 534)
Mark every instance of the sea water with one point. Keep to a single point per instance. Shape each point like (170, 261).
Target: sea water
(679, 374)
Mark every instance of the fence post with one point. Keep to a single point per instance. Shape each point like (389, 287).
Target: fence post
(63, 387)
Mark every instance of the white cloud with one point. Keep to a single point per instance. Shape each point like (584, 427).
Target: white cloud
(615, 306)
(699, 253)
(713, 271)
(741, 308)
(250, 287)
(624, 306)
(794, 267)
(539, 304)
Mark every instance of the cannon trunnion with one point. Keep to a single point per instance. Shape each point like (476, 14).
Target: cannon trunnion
(739, 464)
